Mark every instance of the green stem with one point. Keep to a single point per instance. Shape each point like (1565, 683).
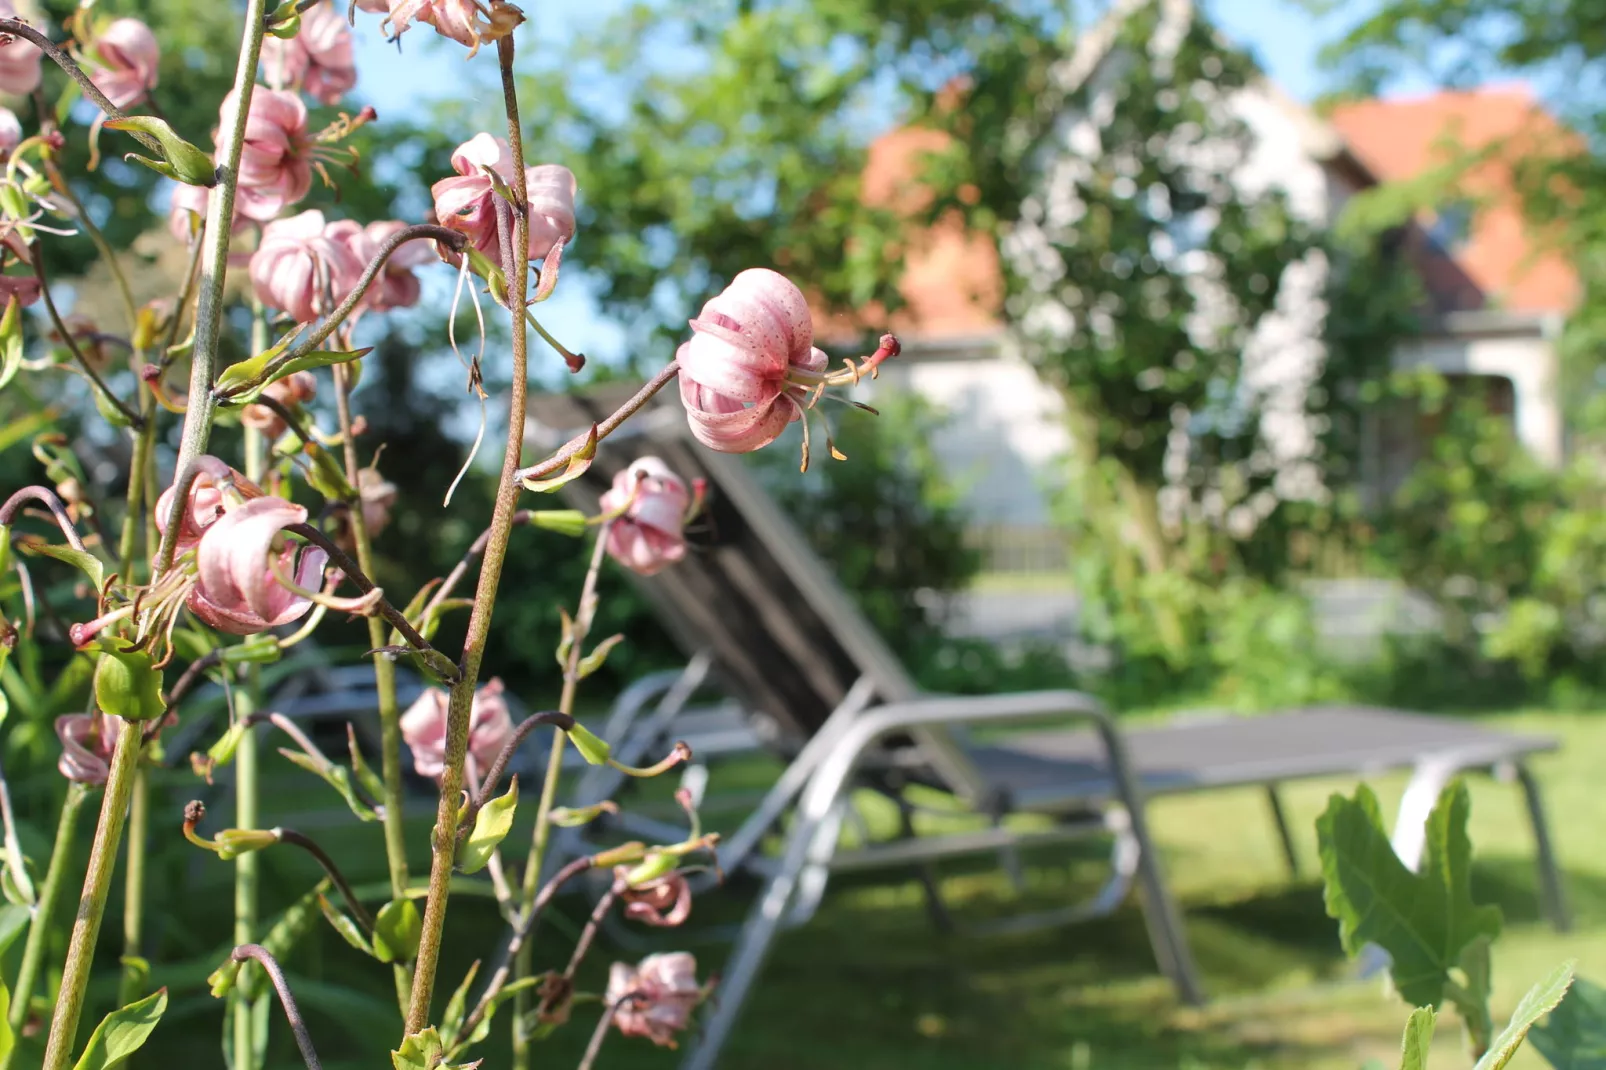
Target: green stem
(92, 903)
(549, 788)
(215, 248)
(134, 881)
(33, 952)
(246, 760)
(390, 741)
(144, 439)
(479, 622)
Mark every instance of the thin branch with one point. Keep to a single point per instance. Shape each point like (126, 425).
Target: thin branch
(309, 845)
(134, 419)
(601, 1032)
(493, 775)
(455, 240)
(18, 28)
(606, 427)
(589, 933)
(521, 933)
(9, 510)
(264, 958)
(396, 617)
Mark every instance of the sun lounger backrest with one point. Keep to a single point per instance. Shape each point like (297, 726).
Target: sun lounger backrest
(786, 636)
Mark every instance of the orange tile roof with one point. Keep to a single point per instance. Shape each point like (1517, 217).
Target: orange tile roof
(1400, 139)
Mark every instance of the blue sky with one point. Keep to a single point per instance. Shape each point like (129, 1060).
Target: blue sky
(1284, 38)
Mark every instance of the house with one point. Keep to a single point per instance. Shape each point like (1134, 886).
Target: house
(1497, 298)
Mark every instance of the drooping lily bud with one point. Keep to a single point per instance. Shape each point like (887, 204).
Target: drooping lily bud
(87, 742)
(652, 504)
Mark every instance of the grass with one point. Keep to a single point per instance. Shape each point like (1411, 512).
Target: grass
(870, 985)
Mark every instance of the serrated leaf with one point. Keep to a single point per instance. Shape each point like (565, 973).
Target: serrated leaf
(122, 1032)
(1574, 1038)
(336, 776)
(397, 931)
(345, 926)
(491, 826)
(1423, 920)
(1471, 999)
(579, 463)
(1418, 1039)
(1540, 1000)
(82, 560)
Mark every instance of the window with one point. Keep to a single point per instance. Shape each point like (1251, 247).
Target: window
(1451, 226)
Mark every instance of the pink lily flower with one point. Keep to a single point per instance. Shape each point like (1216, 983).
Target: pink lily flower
(276, 166)
(206, 501)
(652, 504)
(662, 902)
(302, 267)
(423, 727)
(293, 391)
(378, 495)
(237, 590)
(318, 58)
(129, 56)
(87, 742)
(19, 60)
(466, 202)
(464, 21)
(751, 360)
(655, 998)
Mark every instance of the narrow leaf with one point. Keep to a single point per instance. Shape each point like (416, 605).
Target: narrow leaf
(85, 562)
(1574, 1038)
(337, 777)
(598, 656)
(457, 1006)
(122, 1032)
(578, 464)
(1539, 1001)
(1418, 1039)
(491, 826)
(345, 926)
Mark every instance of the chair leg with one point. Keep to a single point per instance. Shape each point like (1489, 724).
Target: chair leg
(1551, 896)
(1284, 834)
(936, 909)
(1164, 921)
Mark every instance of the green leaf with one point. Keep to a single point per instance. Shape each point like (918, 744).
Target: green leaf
(593, 749)
(482, 1028)
(337, 777)
(85, 562)
(571, 522)
(1423, 920)
(345, 926)
(293, 924)
(491, 826)
(13, 922)
(1574, 1038)
(370, 780)
(245, 380)
(457, 1006)
(579, 462)
(420, 1051)
(397, 931)
(1418, 1039)
(129, 685)
(122, 1032)
(1539, 1001)
(598, 656)
(184, 161)
(10, 342)
(8, 1039)
(1472, 998)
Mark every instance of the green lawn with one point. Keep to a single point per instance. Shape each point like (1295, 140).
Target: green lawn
(871, 985)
